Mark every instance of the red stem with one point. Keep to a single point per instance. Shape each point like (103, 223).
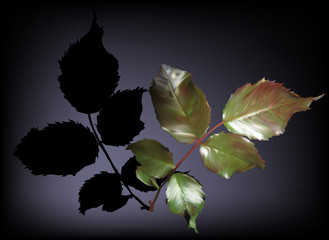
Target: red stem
(198, 142)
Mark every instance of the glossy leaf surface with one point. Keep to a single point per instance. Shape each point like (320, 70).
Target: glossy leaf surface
(262, 110)
(180, 106)
(61, 148)
(156, 161)
(185, 197)
(227, 153)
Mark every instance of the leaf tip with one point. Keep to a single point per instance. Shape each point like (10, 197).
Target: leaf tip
(318, 97)
(227, 176)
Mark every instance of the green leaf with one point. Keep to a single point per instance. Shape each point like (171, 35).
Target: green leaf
(185, 197)
(180, 106)
(146, 179)
(227, 153)
(156, 161)
(262, 110)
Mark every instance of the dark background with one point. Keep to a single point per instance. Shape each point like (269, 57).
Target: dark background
(223, 46)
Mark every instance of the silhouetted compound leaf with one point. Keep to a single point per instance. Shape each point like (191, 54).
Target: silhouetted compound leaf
(89, 73)
(128, 176)
(180, 106)
(155, 159)
(227, 153)
(61, 149)
(119, 120)
(102, 189)
(185, 197)
(262, 110)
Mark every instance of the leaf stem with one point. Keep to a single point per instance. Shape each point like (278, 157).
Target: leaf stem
(144, 206)
(198, 142)
(101, 145)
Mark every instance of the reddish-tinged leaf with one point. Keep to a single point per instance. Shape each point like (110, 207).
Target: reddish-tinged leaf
(262, 110)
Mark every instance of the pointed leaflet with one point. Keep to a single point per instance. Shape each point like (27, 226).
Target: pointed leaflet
(227, 153)
(60, 149)
(128, 176)
(262, 110)
(155, 159)
(102, 189)
(185, 197)
(180, 106)
(89, 73)
(119, 120)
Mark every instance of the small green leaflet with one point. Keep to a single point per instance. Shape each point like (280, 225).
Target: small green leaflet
(155, 159)
(180, 106)
(146, 179)
(262, 110)
(227, 153)
(185, 197)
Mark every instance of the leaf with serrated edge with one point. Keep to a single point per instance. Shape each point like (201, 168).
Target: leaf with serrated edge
(180, 106)
(227, 153)
(89, 73)
(61, 148)
(262, 110)
(155, 159)
(102, 189)
(120, 128)
(185, 197)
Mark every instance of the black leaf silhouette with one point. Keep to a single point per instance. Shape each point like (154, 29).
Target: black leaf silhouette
(119, 120)
(89, 73)
(102, 189)
(128, 176)
(60, 149)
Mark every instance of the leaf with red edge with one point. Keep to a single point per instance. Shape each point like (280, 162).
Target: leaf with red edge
(262, 110)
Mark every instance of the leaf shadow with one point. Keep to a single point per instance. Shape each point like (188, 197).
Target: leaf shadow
(102, 189)
(88, 79)
(61, 148)
(119, 122)
(89, 74)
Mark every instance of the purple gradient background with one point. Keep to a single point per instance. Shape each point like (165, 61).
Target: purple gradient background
(223, 46)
